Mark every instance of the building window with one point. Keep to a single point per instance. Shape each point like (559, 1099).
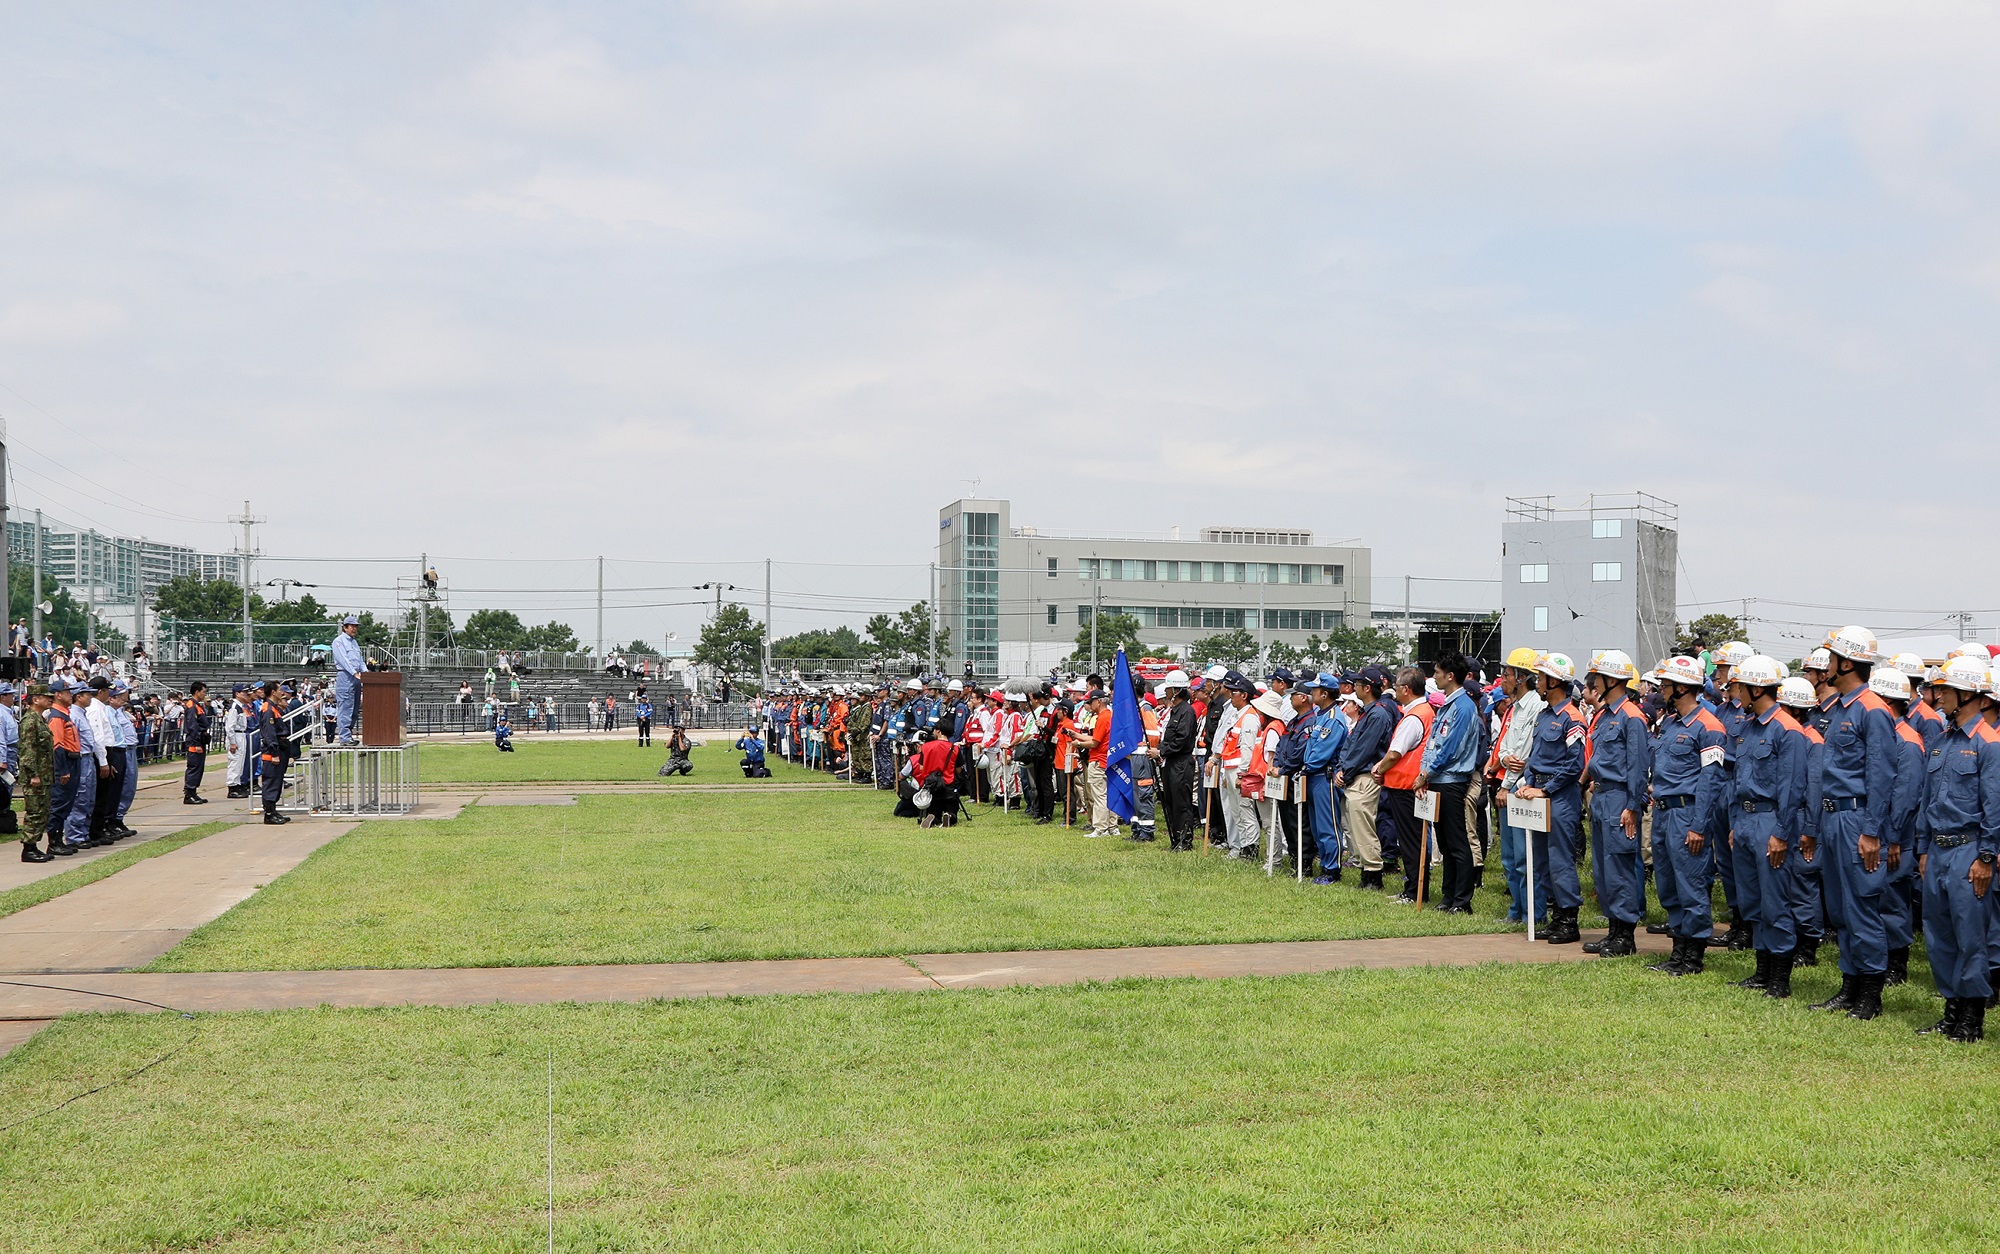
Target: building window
(1538, 573)
(1335, 575)
(1541, 618)
(1606, 572)
(1052, 568)
(1606, 528)
(1052, 616)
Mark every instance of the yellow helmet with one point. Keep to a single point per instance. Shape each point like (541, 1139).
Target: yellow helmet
(1524, 659)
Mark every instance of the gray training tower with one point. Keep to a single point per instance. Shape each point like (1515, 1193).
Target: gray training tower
(1583, 578)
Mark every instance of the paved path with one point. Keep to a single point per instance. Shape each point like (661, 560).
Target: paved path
(49, 996)
(129, 919)
(156, 811)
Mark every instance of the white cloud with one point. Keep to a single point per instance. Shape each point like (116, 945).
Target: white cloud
(62, 320)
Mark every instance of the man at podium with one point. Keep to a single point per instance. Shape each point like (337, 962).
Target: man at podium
(347, 667)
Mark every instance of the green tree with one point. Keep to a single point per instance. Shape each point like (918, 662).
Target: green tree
(908, 635)
(554, 637)
(1707, 632)
(1353, 647)
(641, 647)
(437, 625)
(841, 642)
(732, 642)
(192, 599)
(1230, 648)
(1112, 630)
(371, 633)
(493, 629)
(67, 621)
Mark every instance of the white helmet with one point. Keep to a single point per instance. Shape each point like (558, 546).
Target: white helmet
(1797, 692)
(1615, 664)
(1971, 648)
(1909, 664)
(913, 685)
(1684, 670)
(1966, 674)
(1557, 666)
(1759, 671)
(921, 799)
(1856, 644)
(1734, 653)
(1819, 660)
(1217, 672)
(1175, 679)
(1889, 683)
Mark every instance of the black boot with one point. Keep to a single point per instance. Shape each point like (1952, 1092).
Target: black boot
(1948, 1027)
(273, 818)
(1694, 961)
(1867, 997)
(1562, 926)
(1899, 966)
(1972, 1025)
(1779, 983)
(1762, 979)
(1807, 954)
(1619, 943)
(1844, 999)
(190, 797)
(1658, 929)
(1372, 879)
(60, 848)
(33, 853)
(1739, 937)
(1993, 980)
(1673, 962)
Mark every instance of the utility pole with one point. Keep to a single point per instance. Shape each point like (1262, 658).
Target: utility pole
(90, 594)
(1096, 606)
(1263, 651)
(6, 576)
(933, 617)
(35, 610)
(764, 679)
(600, 610)
(248, 520)
(423, 610)
(1409, 633)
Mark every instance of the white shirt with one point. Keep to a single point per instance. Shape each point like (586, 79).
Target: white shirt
(1410, 730)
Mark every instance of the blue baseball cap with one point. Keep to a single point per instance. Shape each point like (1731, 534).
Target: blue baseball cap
(58, 684)
(238, 688)
(1235, 682)
(1329, 679)
(1307, 684)
(350, 621)
(1281, 674)
(1374, 676)
(8, 690)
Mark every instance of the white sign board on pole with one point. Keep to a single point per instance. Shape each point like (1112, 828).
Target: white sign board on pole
(1427, 806)
(1532, 816)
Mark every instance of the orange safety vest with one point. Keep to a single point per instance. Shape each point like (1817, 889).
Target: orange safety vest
(1404, 773)
(1259, 765)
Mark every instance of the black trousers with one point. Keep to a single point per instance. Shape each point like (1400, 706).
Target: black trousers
(197, 762)
(1452, 843)
(1177, 795)
(1288, 821)
(1039, 781)
(1399, 807)
(109, 790)
(645, 731)
(274, 782)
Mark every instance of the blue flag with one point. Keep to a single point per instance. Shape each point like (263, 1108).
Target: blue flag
(1127, 734)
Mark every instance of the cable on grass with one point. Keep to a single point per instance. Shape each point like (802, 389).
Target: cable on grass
(193, 1034)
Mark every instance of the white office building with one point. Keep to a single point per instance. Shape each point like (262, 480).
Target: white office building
(1015, 597)
(1594, 576)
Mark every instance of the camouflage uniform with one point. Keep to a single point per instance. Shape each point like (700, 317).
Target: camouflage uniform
(38, 761)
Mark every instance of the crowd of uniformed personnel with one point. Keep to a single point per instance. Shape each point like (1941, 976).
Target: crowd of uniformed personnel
(1858, 801)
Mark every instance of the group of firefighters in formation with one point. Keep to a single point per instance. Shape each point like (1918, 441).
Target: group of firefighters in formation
(1859, 800)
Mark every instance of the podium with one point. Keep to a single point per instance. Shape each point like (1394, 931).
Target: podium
(381, 709)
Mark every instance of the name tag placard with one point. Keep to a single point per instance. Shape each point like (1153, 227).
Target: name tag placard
(1530, 816)
(1427, 806)
(1712, 756)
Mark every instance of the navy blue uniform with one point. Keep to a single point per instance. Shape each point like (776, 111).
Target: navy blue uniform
(1555, 765)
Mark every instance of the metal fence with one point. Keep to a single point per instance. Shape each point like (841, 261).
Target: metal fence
(289, 649)
(358, 781)
(533, 718)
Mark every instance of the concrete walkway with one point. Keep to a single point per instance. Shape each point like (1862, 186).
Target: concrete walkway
(129, 919)
(41, 998)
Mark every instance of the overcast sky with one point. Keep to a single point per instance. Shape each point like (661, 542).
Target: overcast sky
(709, 283)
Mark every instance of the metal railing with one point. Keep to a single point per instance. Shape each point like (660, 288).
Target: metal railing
(532, 718)
(310, 652)
(358, 781)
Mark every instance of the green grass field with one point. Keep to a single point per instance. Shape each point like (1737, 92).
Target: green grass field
(1592, 1108)
(591, 761)
(704, 876)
